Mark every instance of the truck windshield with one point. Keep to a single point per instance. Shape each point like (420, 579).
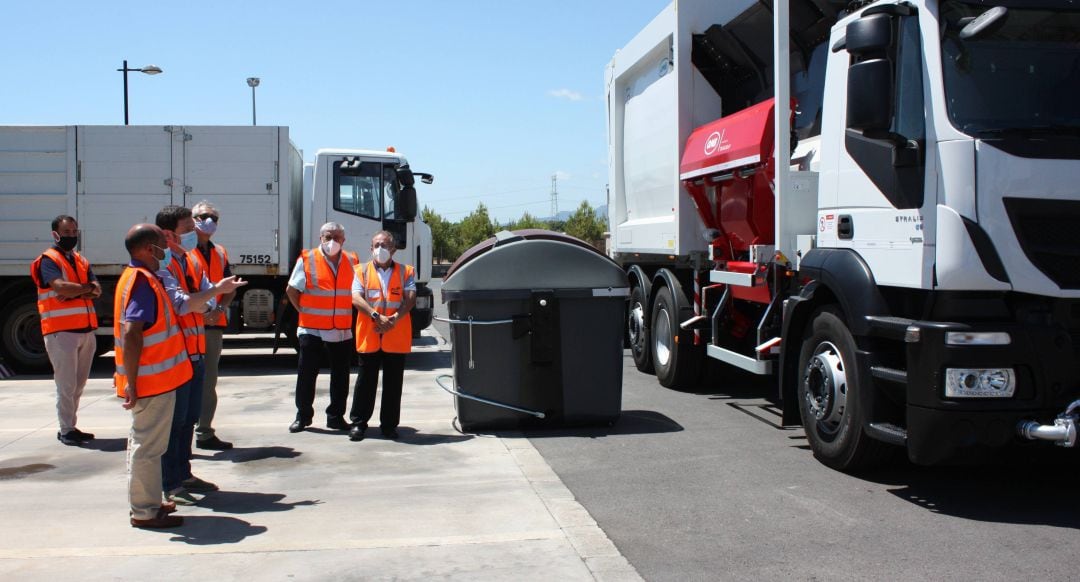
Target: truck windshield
(1019, 75)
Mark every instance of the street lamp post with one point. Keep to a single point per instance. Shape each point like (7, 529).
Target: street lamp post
(253, 82)
(148, 69)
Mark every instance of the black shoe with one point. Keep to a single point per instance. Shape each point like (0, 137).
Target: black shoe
(337, 424)
(298, 425)
(82, 436)
(356, 433)
(69, 438)
(215, 444)
(390, 433)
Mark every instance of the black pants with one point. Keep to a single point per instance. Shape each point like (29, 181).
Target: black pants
(311, 353)
(363, 404)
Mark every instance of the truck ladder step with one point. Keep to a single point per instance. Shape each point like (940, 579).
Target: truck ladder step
(889, 433)
(696, 322)
(889, 374)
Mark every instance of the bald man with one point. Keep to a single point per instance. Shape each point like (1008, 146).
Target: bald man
(151, 364)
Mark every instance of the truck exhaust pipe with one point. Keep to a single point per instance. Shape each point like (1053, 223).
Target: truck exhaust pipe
(1061, 433)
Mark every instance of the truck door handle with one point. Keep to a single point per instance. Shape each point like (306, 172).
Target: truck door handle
(846, 227)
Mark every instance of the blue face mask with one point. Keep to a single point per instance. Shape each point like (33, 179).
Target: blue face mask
(189, 240)
(165, 260)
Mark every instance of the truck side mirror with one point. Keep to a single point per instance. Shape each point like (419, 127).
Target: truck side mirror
(871, 42)
(870, 90)
(407, 203)
(405, 176)
(870, 34)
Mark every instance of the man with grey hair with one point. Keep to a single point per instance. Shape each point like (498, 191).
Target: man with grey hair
(320, 289)
(214, 261)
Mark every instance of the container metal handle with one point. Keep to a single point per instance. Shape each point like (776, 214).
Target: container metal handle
(470, 322)
(458, 392)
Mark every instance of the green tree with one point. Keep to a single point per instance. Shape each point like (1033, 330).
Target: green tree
(585, 224)
(444, 243)
(476, 227)
(527, 221)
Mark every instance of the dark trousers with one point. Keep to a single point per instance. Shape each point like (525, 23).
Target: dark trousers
(176, 462)
(311, 352)
(393, 370)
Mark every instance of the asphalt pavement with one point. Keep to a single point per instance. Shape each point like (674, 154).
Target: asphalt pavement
(435, 505)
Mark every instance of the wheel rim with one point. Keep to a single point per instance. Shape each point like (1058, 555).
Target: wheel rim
(636, 326)
(825, 386)
(26, 339)
(662, 337)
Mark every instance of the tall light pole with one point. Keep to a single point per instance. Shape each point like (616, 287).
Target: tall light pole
(253, 82)
(148, 69)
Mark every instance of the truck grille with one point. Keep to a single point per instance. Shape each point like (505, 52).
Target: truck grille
(1047, 231)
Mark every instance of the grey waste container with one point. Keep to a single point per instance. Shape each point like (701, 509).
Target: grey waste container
(536, 324)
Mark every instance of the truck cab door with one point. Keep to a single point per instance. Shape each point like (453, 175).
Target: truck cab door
(365, 199)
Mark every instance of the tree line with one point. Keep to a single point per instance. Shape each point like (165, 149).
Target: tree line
(450, 239)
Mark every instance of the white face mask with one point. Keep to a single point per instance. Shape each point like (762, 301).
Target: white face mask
(380, 255)
(331, 248)
(206, 227)
(188, 240)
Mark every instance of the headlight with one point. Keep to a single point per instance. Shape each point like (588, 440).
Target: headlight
(980, 382)
(977, 338)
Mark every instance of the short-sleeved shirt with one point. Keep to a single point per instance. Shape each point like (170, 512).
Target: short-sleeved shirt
(384, 276)
(142, 304)
(298, 281)
(48, 270)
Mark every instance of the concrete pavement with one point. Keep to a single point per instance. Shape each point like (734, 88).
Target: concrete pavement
(437, 504)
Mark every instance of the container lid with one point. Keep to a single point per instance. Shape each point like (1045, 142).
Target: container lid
(533, 259)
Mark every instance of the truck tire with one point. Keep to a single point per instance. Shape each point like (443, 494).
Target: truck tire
(637, 330)
(20, 336)
(676, 363)
(104, 345)
(829, 390)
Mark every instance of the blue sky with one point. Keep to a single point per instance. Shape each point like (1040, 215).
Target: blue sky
(493, 97)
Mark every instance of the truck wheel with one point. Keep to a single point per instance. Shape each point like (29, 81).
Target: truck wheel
(829, 392)
(676, 363)
(637, 331)
(20, 336)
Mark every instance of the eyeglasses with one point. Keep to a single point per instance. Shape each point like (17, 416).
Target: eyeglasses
(206, 215)
(382, 245)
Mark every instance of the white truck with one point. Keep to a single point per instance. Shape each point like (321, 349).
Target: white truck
(895, 241)
(111, 177)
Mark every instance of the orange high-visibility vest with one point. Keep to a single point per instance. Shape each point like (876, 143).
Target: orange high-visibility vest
(399, 339)
(57, 312)
(192, 324)
(163, 363)
(215, 271)
(326, 301)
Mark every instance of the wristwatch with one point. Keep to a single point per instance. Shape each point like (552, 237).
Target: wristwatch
(374, 316)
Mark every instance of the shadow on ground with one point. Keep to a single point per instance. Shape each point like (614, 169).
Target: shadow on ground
(248, 502)
(246, 454)
(630, 422)
(208, 530)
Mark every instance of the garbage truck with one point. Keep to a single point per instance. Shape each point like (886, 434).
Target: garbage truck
(271, 205)
(883, 219)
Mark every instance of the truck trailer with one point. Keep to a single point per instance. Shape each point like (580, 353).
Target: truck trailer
(883, 220)
(271, 204)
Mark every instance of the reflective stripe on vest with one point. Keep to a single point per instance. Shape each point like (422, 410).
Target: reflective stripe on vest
(191, 324)
(326, 301)
(163, 361)
(57, 312)
(399, 339)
